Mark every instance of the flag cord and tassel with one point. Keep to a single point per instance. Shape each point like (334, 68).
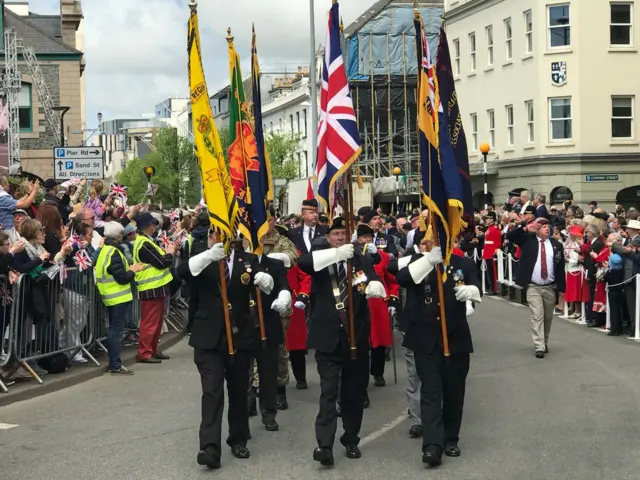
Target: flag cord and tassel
(348, 216)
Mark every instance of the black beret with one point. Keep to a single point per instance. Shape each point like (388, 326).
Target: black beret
(367, 217)
(364, 229)
(310, 204)
(529, 209)
(491, 215)
(323, 217)
(363, 210)
(338, 224)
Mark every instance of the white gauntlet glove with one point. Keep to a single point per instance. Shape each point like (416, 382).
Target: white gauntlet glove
(371, 249)
(345, 252)
(201, 261)
(467, 292)
(283, 257)
(422, 267)
(434, 256)
(329, 256)
(375, 289)
(264, 282)
(282, 303)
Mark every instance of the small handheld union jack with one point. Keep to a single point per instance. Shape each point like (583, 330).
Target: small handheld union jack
(174, 216)
(118, 190)
(74, 239)
(5, 295)
(164, 239)
(82, 260)
(181, 236)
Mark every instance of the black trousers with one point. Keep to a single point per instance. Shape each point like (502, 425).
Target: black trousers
(378, 360)
(346, 378)
(490, 283)
(214, 368)
(441, 396)
(268, 360)
(617, 306)
(298, 364)
(630, 293)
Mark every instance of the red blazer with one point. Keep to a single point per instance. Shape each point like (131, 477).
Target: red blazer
(300, 284)
(492, 242)
(378, 307)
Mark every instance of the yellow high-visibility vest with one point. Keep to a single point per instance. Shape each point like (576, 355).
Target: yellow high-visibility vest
(149, 277)
(112, 292)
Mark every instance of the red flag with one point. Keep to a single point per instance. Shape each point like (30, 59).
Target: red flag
(310, 195)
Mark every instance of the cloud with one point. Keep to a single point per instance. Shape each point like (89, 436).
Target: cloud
(136, 49)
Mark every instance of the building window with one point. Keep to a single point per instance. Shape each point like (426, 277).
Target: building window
(559, 26)
(492, 127)
(528, 31)
(304, 115)
(490, 46)
(530, 129)
(621, 24)
(298, 122)
(291, 123)
(25, 111)
(271, 126)
(456, 57)
(622, 117)
(474, 132)
(472, 50)
(510, 134)
(508, 38)
(560, 118)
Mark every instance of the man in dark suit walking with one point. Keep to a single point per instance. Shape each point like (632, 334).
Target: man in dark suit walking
(443, 380)
(304, 235)
(329, 336)
(541, 270)
(208, 338)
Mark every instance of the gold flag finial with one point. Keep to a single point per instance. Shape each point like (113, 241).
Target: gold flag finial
(229, 36)
(341, 25)
(193, 5)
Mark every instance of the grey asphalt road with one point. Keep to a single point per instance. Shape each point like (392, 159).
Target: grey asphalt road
(573, 415)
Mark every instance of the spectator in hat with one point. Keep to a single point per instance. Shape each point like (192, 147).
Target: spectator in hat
(381, 240)
(528, 213)
(19, 216)
(8, 204)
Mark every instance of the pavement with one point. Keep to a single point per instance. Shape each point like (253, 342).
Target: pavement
(573, 415)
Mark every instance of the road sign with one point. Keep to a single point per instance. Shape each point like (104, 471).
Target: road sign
(78, 162)
(602, 178)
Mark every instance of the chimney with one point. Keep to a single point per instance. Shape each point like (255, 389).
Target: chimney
(70, 17)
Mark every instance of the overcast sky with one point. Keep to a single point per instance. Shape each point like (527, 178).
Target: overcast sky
(136, 49)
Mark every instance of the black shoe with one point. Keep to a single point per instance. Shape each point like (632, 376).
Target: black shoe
(251, 400)
(614, 333)
(207, 459)
(546, 349)
(324, 456)
(281, 399)
(593, 325)
(271, 425)
(367, 402)
(301, 385)
(240, 451)
(353, 451)
(540, 354)
(379, 381)
(339, 409)
(120, 371)
(452, 450)
(149, 360)
(161, 356)
(415, 431)
(432, 456)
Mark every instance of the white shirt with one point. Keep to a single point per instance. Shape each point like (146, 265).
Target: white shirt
(410, 237)
(305, 236)
(537, 269)
(230, 262)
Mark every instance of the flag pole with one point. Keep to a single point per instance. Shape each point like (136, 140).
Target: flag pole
(313, 77)
(349, 226)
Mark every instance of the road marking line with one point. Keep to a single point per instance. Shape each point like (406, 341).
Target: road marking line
(7, 426)
(384, 429)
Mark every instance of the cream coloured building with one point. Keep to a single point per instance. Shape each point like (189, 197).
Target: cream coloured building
(552, 85)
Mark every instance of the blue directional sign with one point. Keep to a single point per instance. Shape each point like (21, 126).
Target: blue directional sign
(78, 162)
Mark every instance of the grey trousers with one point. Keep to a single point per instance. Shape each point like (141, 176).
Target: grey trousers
(413, 387)
(541, 303)
(76, 309)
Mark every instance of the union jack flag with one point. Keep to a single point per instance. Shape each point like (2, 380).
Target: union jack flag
(338, 136)
(164, 239)
(174, 216)
(5, 295)
(181, 236)
(74, 239)
(82, 260)
(118, 190)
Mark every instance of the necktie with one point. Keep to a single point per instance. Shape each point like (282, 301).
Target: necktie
(310, 234)
(342, 282)
(544, 273)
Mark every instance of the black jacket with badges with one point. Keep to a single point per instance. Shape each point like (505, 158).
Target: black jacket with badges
(386, 243)
(326, 329)
(272, 322)
(208, 331)
(421, 315)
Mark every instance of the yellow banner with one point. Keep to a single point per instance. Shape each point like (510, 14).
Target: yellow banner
(216, 184)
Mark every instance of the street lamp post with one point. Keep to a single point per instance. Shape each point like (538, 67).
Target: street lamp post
(149, 171)
(396, 172)
(62, 111)
(485, 148)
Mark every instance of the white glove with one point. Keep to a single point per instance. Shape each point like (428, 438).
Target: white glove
(434, 256)
(375, 289)
(199, 262)
(470, 308)
(371, 249)
(300, 305)
(282, 303)
(465, 293)
(283, 257)
(392, 311)
(264, 282)
(345, 252)
(354, 237)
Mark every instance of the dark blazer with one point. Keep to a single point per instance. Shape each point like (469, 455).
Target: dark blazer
(529, 248)
(296, 235)
(421, 315)
(542, 212)
(208, 331)
(326, 332)
(272, 322)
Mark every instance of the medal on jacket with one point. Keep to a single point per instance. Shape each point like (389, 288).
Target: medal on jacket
(245, 278)
(458, 277)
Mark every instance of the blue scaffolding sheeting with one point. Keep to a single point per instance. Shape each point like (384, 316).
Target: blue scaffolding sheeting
(383, 41)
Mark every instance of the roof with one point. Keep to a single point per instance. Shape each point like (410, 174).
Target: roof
(380, 5)
(38, 33)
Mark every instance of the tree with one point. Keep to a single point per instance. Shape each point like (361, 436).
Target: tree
(281, 148)
(177, 172)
